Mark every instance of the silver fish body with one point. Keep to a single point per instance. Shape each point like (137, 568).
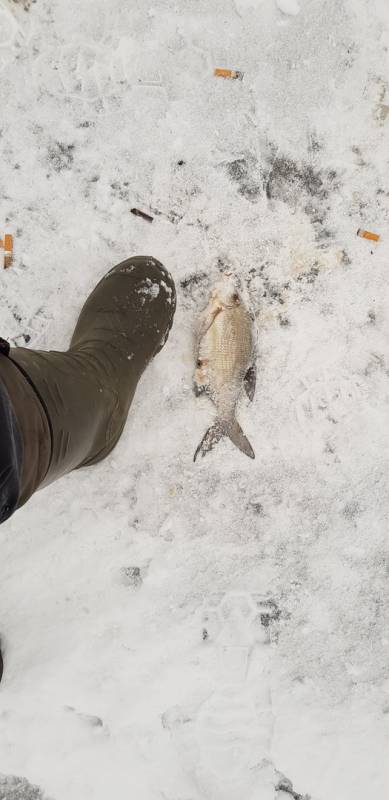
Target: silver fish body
(225, 363)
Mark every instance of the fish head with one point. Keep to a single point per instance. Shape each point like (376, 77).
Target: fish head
(227, 292)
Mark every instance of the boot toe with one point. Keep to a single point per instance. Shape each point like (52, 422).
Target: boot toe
(152, 295)
(135, 300)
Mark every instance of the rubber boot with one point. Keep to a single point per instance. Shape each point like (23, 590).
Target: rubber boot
(71, 407)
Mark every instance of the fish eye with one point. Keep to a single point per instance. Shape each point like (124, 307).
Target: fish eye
(199, 362)
(235, 298)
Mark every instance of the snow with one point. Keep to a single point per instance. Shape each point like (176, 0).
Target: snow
(148, 290)
(288, 7)
(111, 688)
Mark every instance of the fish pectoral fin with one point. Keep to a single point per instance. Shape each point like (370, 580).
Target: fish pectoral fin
(211, 437)
(235, 433)
(249, 381)
(207, 320)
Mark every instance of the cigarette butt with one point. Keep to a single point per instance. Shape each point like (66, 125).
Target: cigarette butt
(142, 214)
(368, 235)
(8, 244)
(228, 73)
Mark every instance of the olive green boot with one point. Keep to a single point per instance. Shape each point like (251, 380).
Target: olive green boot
(87, 391)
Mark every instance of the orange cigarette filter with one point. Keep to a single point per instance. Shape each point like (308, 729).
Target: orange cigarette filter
(228, 73)
(368, 235)
(8, 245)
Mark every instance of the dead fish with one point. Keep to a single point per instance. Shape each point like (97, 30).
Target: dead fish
(225, 362)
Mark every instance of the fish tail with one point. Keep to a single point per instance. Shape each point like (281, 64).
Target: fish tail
(235, 433)
(216, 432)
(210, 438)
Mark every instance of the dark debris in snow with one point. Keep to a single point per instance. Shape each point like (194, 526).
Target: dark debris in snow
(14, 788)
(60, 156)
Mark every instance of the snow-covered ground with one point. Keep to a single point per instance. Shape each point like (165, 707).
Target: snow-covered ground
(180, 631)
